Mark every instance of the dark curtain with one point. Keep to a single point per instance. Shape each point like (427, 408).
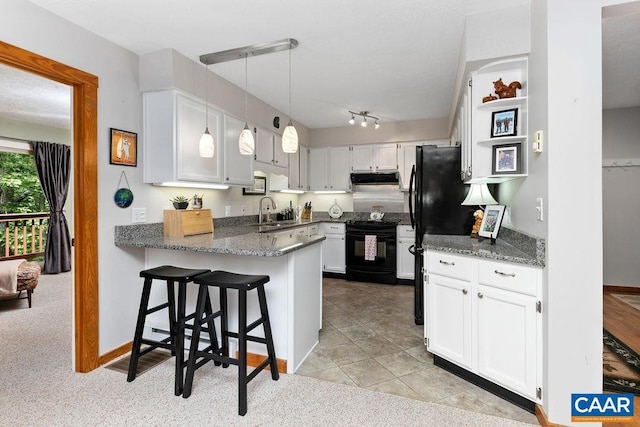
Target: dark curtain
(53, 162)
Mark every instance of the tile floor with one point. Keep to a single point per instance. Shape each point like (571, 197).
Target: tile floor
(369, 340)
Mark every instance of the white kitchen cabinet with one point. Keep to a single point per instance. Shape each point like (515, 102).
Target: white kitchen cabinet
(298, 169)
(269, 156)
(173, 123)
(478, 158)
(329, 169)
(406, 161)
(485, 316)
(333, 247)
(374, 158)
(238, 168)
(313, 230)
(405, 260)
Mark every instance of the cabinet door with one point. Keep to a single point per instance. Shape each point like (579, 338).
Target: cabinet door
(339, 176)
(280, 158)
(405, 260)
(385, 157)
(304, 168)
(294, 170)
(362, 158)
(190, 124)
(506, 330)
(448, 317)
(406, 160)
(333, 253)
(264, 146)
(238, 168)
(318, 173)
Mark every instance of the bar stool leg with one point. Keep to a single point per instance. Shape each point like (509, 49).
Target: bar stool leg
(178, 343)
(271, 352)
(242, 350)
(224, 326)
(137, 339)
(203, 294)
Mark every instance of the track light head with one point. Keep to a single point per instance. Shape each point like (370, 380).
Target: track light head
(376, 125)
(352, 120)
(364, 122)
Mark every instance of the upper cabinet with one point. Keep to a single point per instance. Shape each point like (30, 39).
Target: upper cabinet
(494, 130)
(374, 158)
(406, 161)
(173, 123)
(329, 169)
(298, 169)
(269, 156)
(238, 168)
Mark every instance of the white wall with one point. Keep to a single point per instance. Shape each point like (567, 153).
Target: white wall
(621, 197)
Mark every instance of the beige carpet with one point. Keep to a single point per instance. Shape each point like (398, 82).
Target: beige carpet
(40, 389)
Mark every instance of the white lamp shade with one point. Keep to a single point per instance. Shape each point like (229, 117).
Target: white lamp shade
(207, 144)
(290, 139)
(479, 194)
(246, 142)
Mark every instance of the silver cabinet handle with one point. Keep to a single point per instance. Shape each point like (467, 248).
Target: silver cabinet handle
(480, 295)
(464, 291)
(500, 273)
(447, 263)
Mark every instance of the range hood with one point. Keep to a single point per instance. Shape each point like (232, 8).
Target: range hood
(377, 178)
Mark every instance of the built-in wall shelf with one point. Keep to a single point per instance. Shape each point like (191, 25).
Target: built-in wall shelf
(620, 163)
(499, 104)
(502, 140)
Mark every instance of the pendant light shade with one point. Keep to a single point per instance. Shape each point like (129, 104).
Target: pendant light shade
(246, 143)
(207, 144)
(290, 134)
(290, 139)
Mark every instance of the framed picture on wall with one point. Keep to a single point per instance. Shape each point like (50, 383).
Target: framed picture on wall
(123, 147)
(504, 123)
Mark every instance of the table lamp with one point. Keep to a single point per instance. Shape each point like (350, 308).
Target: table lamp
(478, 195)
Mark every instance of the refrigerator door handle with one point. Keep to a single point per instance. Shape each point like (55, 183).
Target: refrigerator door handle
(411, 181)
(412, 249)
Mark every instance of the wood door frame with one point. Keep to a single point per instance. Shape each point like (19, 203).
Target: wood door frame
(85, 175)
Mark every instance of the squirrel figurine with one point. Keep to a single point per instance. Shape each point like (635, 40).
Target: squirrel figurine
(489, 98)
(504, 91)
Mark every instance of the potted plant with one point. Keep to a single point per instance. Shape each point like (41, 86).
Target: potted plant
(180, 202)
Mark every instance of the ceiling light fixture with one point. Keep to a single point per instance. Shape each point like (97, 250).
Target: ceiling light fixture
(290, 135)
(246, 143)
(207, 144)
(364, 115)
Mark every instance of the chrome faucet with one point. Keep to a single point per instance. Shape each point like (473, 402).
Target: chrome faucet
(273, 205)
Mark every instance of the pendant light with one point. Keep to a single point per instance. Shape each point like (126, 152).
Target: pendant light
(246, 142)
(290, 135)
(207, 144)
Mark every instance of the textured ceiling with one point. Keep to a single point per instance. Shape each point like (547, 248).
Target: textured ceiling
(397, 59)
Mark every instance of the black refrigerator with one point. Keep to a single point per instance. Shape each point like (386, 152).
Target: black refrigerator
(436, 192)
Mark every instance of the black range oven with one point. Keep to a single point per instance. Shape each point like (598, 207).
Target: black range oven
(371, 251)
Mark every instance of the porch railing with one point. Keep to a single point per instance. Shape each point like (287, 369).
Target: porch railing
(23, 235)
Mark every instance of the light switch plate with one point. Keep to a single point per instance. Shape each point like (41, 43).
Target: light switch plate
(138, 215)
(227, 211)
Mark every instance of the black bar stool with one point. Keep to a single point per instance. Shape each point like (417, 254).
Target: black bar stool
(243, 283)
(177, 320)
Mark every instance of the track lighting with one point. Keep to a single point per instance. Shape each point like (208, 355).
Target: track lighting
(364, 115)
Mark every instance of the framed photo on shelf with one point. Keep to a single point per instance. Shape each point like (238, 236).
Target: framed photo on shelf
(504, 123)
(123, 147)
(506, 159)
(259, 187)
(491, 221)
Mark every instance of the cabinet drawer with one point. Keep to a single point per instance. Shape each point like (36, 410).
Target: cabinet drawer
(301, 231)
(333, 228)
(406, 231)
(508, 276)
(312, 230)
(449, 265)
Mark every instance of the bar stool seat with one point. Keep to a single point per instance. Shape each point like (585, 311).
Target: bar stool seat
(242, 283)
(177, 318)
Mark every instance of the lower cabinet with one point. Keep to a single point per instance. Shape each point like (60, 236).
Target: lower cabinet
(333, 248)
(405, 260)
(484, 316)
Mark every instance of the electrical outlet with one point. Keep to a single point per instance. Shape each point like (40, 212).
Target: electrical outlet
(539, 209)
(138, 215)
(537, 141)
(227, 210)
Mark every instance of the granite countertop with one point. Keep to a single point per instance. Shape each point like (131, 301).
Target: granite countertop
(237, 240)
(516, 247)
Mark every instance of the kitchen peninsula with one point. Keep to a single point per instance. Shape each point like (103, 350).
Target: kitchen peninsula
(293, 263)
